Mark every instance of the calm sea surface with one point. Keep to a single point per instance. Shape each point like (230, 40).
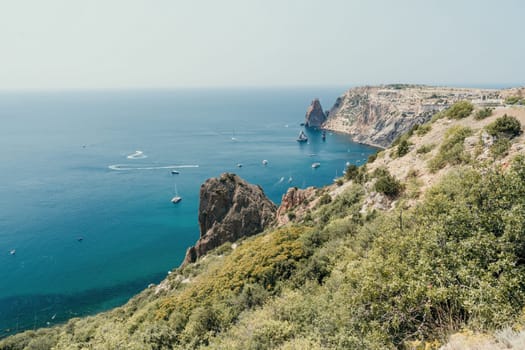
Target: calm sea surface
(90, 218)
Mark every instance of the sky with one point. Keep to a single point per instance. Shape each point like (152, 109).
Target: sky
(90, 44)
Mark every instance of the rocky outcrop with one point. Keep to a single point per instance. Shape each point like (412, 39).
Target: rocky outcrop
(315, 116)
(294, 204)
(229, 209)
(377, 115)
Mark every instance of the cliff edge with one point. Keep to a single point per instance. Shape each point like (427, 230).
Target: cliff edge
(377, 115)
(229, 209)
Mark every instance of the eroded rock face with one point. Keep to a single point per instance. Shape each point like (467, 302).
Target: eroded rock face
(298, 201)
(230, 208)
(315, 116)
(377, 115)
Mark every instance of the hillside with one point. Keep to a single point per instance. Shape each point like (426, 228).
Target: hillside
(377, 115)
(421, 248)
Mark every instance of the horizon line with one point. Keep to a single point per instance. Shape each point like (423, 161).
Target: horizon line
(278, 86)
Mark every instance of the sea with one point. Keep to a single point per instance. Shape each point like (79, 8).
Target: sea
(86, 219)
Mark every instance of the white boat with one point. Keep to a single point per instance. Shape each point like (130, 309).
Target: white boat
(316, 165)
(265, 162)
(177, 198)
(175, 172)
(290, 179)
(239, 165)
(12, 251)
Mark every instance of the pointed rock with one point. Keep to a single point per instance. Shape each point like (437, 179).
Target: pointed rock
(315, 116)
(229, 209)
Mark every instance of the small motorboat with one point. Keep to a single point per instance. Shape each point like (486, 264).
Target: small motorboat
(239, 165)
(316, 165)
(175, 172)
(265, 162)
(12, 251)
(177, 198)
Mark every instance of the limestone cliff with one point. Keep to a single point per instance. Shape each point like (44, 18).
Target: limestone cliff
(229, 209)
(315, 115)
(377, 115)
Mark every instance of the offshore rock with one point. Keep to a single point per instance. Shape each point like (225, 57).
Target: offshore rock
(229, 209)
(315, 116)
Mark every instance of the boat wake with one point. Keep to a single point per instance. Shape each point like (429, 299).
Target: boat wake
(128, 167)
(137, 155)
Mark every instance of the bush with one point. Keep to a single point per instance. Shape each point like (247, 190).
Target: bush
(388, 185)
(506, 126)
(403, 148)
(500, 147)
(372, 158)
(358, 174)
(459, 110)
(512, 100)
(425, 148)
(351, 172)
(325, 199)
(423, 129)
(451, 150)
(483, 113)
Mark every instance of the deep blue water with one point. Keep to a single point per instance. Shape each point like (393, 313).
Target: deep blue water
(59, 152)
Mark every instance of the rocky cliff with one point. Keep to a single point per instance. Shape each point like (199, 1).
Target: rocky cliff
(377, 115)
(295, 204)
(315, 115)
(230, 208)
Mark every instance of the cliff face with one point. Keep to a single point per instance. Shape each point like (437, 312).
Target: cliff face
(315, 115)
(229, 209)
(377, 115)
(297, 202)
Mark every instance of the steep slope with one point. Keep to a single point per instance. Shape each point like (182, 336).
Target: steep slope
(425, 240)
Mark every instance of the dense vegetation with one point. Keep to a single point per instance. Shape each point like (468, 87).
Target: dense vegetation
(341, 277)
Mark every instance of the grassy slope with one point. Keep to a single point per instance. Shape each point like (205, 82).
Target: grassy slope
(447, 256)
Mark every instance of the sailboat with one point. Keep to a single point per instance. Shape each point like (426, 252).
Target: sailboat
(302, 137)
(177, 198)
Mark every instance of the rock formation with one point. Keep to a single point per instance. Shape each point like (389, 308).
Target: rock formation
(296, 199)
(315, 116)
(230, 208)
(377, 115)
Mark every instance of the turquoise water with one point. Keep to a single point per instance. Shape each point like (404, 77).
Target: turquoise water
(68, 172)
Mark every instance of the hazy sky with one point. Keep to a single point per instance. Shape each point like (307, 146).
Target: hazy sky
(173, 43)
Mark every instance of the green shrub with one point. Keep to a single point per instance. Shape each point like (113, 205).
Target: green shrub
(403, 148)
(459, 110)
(451, 150)
(512, 100)
(351, 172)
(483, 113)
(500, 147)
(372, 158)
(388, 185)
(425, 148)
(423, 129)
(505, 126)
(355, 173)
(325, 199)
